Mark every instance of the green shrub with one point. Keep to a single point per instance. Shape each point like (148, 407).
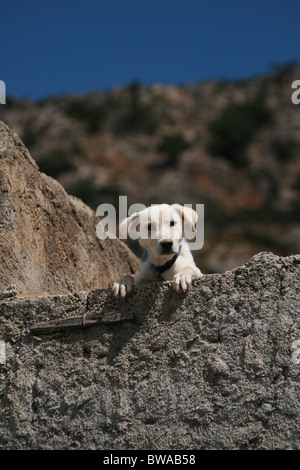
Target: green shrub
(295, 210)
(296, 184)
(30, 137)
(83, 109)
(173, 145)
(234, 129)
(56, 161)
(33, 133)
(285, 149)
(91, 194)
(138, 116)
(283, 72)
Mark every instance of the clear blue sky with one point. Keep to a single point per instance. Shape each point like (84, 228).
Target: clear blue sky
(52, 47)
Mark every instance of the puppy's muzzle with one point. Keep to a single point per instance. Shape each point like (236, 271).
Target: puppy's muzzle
(166, 246)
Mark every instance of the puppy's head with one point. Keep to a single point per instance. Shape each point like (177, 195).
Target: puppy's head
(159, 228)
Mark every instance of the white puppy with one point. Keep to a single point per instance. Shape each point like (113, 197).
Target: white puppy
(167, 256)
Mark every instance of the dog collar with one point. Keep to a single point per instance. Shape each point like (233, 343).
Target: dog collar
(160, 269)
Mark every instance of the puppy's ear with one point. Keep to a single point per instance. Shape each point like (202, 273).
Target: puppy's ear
(188, 215)
(125, 225)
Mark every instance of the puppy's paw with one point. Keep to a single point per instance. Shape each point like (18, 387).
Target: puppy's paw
(123, 287)
(183, 280)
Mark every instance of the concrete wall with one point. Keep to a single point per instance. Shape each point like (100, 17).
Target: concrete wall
(217, 368)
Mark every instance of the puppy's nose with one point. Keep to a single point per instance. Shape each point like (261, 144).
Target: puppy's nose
(166, 245)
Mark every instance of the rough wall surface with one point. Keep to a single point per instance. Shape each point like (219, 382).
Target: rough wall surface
(214, 369)
(48, 239)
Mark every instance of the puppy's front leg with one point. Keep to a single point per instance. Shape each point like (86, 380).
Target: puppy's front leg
(183, 280)
(123, 286)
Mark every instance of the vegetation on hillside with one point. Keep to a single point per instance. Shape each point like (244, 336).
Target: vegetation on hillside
(234, 147)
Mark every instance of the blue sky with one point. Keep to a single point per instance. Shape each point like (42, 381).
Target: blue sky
(48, 48)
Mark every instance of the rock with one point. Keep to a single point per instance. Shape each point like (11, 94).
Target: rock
(214, 369)
(48, 239)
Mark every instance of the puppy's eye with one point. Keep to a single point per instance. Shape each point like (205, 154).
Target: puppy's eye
(149, 227)
(172, 223)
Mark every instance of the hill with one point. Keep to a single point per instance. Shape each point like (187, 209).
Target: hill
(234, 147)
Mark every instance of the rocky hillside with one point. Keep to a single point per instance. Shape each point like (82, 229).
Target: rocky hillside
(217, 368)
(234, 147)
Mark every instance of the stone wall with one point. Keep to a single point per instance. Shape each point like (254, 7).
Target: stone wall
(217, 368)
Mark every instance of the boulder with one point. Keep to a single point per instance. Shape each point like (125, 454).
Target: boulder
(48, 239)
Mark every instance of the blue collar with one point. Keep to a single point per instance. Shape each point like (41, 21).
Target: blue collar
(160, 269)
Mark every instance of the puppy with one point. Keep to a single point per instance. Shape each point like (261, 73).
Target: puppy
(167, 256)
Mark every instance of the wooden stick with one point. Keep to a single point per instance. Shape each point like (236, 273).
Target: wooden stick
(84, 321)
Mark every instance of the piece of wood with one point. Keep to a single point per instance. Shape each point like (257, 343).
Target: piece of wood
(31, 295)
(84, 321)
